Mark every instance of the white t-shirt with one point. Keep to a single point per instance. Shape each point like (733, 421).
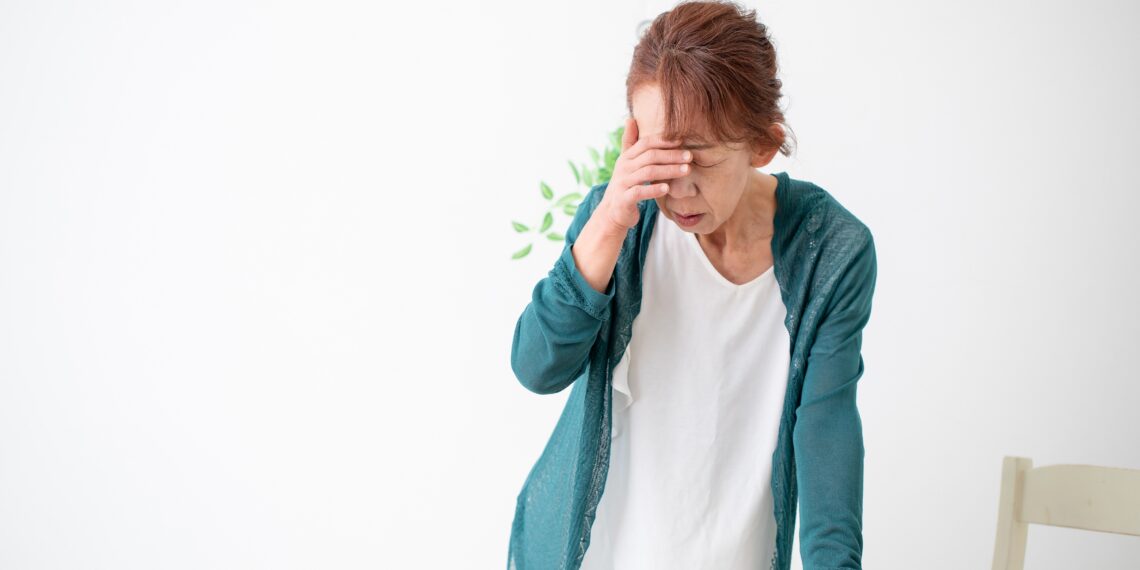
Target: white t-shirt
(697, 403)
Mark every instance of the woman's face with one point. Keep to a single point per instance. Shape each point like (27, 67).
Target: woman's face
(719, 176)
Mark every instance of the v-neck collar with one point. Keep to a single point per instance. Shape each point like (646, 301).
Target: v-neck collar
(694, 245)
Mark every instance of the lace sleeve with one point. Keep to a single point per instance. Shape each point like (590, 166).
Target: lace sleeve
(828, 439)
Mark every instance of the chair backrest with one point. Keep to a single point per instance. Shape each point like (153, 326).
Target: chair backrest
(1090, 497)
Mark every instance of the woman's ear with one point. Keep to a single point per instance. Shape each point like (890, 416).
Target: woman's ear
(762, 155)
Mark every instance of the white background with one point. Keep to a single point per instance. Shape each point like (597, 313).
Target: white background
(257, 301)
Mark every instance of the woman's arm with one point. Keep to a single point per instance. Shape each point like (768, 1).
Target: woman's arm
(554, 334)
(828, 436)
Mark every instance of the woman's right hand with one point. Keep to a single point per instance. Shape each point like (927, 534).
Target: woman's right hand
(650, 159)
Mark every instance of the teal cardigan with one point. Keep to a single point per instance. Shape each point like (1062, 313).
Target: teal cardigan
(572, 335)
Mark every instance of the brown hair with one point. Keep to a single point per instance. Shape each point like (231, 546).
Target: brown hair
(714, 63)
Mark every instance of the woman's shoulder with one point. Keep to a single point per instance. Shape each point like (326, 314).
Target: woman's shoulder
(821, 232)
(829, 249)
(819, 212)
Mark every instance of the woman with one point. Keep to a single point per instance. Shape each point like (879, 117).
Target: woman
(723, 309)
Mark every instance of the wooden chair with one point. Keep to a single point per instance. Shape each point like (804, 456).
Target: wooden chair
(1090, 497)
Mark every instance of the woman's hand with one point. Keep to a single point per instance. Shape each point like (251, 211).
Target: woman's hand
(642, 160)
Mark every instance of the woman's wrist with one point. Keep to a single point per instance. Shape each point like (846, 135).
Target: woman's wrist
(609, 229)
(597, 249)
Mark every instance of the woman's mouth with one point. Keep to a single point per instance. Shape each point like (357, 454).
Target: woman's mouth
(688, 221)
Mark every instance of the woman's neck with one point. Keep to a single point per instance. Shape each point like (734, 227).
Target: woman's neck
(752, 224)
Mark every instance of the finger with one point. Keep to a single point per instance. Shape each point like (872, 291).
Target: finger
(662, 156)
(629, 136)
(657, 172)
(645, 143)
(646, 191)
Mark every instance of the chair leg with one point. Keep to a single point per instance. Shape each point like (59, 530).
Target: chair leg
(1009, 545)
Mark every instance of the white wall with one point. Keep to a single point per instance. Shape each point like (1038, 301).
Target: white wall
(256, 294)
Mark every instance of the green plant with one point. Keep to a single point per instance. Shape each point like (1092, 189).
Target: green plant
(584, 175)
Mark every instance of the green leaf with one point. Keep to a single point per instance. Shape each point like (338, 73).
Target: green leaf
(594, 155)
(547, 220)
(611, 158)
(571, 197)
(520, 228)
(577, 177)
(589, 176)
(522, 252)
(555, 236)
(546, 191)
(604, 174)
(570, 209)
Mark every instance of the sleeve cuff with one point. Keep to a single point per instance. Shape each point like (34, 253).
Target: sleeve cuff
(574, 284)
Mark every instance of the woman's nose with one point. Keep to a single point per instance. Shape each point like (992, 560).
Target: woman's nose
(681, 187)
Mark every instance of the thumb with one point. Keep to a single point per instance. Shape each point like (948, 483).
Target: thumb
(629, 136)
